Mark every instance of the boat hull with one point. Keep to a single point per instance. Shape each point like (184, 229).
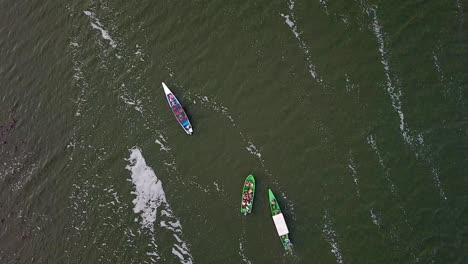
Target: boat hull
(248, 194)
(278, 220)
(178, 110)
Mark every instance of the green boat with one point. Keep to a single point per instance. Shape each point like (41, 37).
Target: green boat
(278, 219)
(248, 193)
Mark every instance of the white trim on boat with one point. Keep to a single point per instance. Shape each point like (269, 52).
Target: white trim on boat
(166, 89)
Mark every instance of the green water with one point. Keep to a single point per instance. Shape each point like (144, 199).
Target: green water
(353, 112)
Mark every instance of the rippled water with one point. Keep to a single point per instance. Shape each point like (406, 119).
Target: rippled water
(352, 112)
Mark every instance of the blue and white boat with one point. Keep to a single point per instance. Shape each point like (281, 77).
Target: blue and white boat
(178, 111)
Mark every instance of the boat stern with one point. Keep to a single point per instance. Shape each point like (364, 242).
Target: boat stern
(188, 129)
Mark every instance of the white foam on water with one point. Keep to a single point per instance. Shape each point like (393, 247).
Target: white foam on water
(436, 179)
(345, 19)
(348, 83)
(290, 20)
(217, 107)
(415, 142)
(375, 217)
(395, 232)
(352, 168)
(136, 104)
(154, 256)
(148, 189)
(373, 144)
(351, 87)
(437, 65)
(324, 4)
(438, 68)
(177, 253)
(150, 203)
(96, 24)
(441, 76)
(216, 186)
(79, 78)
(331, 237)
(392, 91)
(253, 150)
(242, 247)
(21, 172)
(242, 252)
(460, 11)
(162, 146)
(224, 111)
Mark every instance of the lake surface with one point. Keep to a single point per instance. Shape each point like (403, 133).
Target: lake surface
(353, 112)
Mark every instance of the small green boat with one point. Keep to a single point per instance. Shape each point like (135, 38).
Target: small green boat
(248, 193)
(278, 219)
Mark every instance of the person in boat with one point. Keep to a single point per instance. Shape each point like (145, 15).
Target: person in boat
(273, 201)
(247, 183)
(171, 99)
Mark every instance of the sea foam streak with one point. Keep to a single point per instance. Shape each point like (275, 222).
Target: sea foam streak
(250, 146)
(331, 237)
(324, 4)
(151, 203)
(373, 144)
(375, 217)
(242, 248)
(460, 11)
(392, 91)
(352, 168)
(291, 22)
(96, 24)
(395, 94)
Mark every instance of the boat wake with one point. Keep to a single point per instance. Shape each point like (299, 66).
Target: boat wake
(352, 168)
(331, 237)
(375, 216)
(416, 142)
(392, 90)
(96, 24)
(461, 15)
(89, 187)
(249, 145)
(151, 204)
(242, 248)
(290, 20)
(325, 6)
(224, 111)
(403, 227)
(373, 144)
